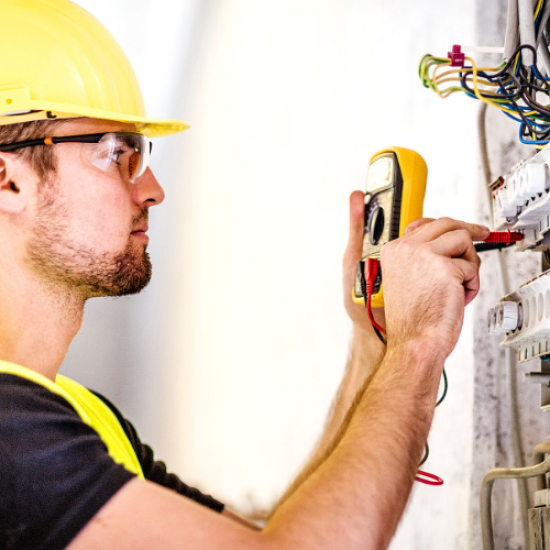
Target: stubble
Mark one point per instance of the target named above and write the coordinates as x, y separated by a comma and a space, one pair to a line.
72, 267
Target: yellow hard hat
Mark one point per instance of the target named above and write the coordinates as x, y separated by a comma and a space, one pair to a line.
58, 61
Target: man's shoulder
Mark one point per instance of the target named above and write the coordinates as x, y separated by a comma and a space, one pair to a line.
19, 396
48, 458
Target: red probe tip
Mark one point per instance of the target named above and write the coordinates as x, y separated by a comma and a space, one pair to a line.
504, 237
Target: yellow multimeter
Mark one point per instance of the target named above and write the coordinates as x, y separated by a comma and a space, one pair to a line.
396, 185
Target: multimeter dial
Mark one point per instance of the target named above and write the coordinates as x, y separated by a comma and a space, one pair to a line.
376, 222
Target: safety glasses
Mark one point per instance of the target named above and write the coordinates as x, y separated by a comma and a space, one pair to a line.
123, 155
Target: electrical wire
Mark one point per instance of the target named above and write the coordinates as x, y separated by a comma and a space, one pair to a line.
367, 283
513, 87
426, 455
439, 401
445, 389
375, 325
486, 492
544, 52
511, 39
527, 29
428, 479
540, 24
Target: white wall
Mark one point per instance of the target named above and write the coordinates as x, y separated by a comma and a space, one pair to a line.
288, 102
229, 361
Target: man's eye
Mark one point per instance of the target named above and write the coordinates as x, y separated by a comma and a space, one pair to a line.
115, 155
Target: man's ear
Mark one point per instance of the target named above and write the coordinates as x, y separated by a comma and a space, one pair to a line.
13, 176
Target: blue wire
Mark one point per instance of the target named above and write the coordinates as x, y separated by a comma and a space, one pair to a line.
537, 74
527, 142
513, 117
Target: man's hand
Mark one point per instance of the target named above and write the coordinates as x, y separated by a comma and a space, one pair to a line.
430, 275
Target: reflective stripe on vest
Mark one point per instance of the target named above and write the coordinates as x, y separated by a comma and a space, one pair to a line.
92, 411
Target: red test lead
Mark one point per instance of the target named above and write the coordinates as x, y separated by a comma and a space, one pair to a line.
372, 269
428, 479
498, 240
505, 237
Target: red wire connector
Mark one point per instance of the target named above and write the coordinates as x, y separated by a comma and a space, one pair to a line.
505, 237
456, 56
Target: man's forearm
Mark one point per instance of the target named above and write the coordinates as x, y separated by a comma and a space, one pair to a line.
356, 496
365, 357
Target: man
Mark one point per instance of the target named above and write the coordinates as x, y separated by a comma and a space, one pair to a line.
75, 192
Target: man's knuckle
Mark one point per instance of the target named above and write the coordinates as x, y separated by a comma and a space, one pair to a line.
446, 222
441, 263
406, 246
424, 251
464, 235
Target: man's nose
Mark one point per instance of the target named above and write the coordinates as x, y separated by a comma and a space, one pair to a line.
147, 191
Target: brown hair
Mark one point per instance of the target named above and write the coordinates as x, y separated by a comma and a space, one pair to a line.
41, 158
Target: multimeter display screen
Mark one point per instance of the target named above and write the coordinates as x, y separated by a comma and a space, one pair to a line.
380, 174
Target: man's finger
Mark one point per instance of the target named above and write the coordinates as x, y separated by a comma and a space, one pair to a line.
356, 221
471, 281
455, 244
458, 249
435, 229
416, 224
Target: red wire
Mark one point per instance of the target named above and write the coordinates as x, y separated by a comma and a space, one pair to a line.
431, 479
371, 317
372, 266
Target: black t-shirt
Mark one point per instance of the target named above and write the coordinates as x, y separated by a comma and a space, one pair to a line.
55, 471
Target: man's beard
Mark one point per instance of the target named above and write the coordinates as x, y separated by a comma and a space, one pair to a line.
72, 266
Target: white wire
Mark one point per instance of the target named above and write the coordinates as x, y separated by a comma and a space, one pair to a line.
512, 25
483, 49
527, 30
544, 54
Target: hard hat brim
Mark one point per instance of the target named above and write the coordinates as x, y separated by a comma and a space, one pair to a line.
44, 110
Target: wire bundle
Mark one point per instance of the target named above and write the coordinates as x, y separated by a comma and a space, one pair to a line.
518, 87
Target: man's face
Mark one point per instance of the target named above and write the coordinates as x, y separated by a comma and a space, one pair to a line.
88, 229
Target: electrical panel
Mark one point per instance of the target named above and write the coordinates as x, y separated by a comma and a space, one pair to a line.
524, 318
521, 201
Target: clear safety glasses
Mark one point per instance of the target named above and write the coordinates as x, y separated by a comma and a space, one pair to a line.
123, 155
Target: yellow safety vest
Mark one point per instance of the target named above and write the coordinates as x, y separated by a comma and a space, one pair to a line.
92, 411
